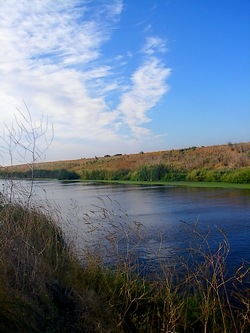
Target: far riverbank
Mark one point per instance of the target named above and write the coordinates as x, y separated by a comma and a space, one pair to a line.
177, 183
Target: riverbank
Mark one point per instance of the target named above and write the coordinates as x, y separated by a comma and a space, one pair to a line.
46, 287
150, 183
223, 164
179, 183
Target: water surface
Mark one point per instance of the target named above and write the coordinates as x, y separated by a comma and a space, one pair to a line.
163, 210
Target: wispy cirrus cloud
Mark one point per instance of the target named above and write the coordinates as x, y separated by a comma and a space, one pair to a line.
53, 60
148, 85
60, 33
154, 45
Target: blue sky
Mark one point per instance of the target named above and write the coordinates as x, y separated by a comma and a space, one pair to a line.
117, 76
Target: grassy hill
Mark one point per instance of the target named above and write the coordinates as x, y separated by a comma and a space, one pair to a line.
229, 156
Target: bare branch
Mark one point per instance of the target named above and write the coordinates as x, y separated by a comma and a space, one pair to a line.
26, 141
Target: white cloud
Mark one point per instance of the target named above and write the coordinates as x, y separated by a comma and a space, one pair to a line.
52, 59
148, 85
153, 45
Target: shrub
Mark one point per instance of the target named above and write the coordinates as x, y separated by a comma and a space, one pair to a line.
241, 176
67, 175
195, 175
150, 172
175, 175
143, 173
98, 174
158, 171
122, 174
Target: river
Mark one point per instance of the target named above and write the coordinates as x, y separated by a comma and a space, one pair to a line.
171, 215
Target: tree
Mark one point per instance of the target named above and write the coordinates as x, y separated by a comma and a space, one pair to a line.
24, 142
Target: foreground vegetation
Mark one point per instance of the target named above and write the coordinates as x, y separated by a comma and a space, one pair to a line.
50, 285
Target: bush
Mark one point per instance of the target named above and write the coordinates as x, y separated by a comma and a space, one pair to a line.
158, 172
143, 173
122, 174
175, 176
98, 174
67, 175
195, 176
241, 176
150, 172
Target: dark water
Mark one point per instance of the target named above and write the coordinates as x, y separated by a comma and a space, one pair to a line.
166, 211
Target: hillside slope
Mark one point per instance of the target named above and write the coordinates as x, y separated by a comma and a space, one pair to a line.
220, 157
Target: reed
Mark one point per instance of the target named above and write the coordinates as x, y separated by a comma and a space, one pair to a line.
49, 285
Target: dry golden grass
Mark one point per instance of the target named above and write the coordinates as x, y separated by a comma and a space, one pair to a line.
229, 156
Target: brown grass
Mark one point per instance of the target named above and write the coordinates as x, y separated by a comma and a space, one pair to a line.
230, 156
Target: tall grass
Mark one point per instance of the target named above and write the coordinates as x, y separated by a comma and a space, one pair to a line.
48, 285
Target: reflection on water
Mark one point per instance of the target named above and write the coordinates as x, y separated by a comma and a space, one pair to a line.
165, 211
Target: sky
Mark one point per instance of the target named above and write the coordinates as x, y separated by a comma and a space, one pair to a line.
123, 76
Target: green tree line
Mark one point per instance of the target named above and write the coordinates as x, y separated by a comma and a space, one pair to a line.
162, 172
156, 172
41, 173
